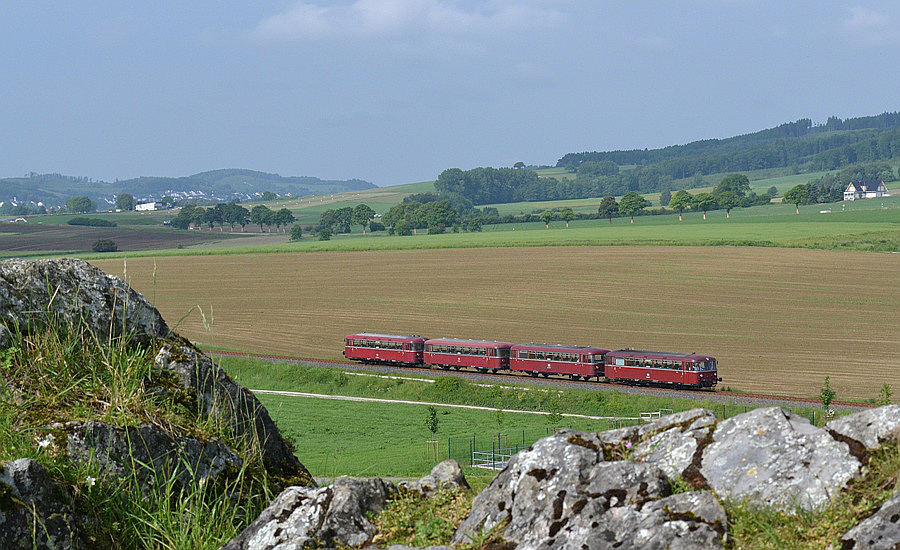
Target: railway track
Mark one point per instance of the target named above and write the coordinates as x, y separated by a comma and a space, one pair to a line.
724, 397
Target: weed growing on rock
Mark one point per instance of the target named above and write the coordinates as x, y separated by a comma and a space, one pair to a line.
760, 527
415, 520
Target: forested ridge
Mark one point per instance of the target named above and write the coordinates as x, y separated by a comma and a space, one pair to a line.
812, 147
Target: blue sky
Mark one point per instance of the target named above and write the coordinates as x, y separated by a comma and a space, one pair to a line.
394, 91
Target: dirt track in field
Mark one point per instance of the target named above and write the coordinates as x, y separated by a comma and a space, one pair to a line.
778, 320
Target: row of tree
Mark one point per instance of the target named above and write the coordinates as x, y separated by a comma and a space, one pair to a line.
593, 179
233, 214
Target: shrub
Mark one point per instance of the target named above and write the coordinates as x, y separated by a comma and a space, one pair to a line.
92, 222
105, 245
296, 232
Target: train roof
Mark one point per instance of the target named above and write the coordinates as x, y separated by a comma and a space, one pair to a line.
463, 341
560, 347
662, 354
411, 337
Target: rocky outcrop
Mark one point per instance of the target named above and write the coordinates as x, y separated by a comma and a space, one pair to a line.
774, 458
879, 532
445, 475
868, 430
35, 512
561, 493
34, 292
337, 514
148, 454
302, 517
213, 393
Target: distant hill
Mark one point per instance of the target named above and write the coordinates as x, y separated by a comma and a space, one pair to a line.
56, 189
802, 144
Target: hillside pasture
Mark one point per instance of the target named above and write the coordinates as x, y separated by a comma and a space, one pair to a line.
779, 320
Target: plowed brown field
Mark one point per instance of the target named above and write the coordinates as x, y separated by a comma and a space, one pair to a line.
778, 320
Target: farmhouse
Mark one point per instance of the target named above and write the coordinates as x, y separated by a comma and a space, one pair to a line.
149, 206
865, 190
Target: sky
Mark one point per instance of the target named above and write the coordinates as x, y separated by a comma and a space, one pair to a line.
395, 91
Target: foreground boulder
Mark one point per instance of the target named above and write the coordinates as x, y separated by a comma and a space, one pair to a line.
445, 475
147, 453
35, 512
561, 493
213, 393
869, 429
315, 517
33, 292
775, 458
879, 532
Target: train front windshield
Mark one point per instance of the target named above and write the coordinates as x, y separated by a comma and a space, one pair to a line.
705, 365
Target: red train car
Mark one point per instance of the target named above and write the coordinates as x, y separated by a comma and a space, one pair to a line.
384, 348
655, 367
546, 359
484, 355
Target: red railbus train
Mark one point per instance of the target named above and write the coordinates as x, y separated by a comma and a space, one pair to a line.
384, 348
625, 366
677, 369
482, 355
546, 359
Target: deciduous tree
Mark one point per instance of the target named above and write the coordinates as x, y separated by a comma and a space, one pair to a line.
681, 201
260, 215
124, 201
362, 215
547, 216
608, 208
728, 200
704, 202
79, 205
567, 214
632, 203
797, 195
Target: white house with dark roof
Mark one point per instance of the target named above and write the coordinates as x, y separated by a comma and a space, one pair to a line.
865, 190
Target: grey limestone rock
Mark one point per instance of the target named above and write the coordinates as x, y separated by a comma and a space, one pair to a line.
561, 493
693, 419
303, 517
682, 521
446, 474
870, 428
671, 442
35, 512
32, 292
215, 393
778, 459
147, 452
881, 531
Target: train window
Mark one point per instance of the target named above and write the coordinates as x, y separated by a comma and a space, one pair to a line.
503, 352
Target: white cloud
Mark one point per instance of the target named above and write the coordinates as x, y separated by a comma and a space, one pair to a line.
305, 20
866, 20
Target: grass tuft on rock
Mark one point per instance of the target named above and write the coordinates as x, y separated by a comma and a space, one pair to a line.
64, 373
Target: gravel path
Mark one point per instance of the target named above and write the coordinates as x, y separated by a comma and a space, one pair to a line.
698, 395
